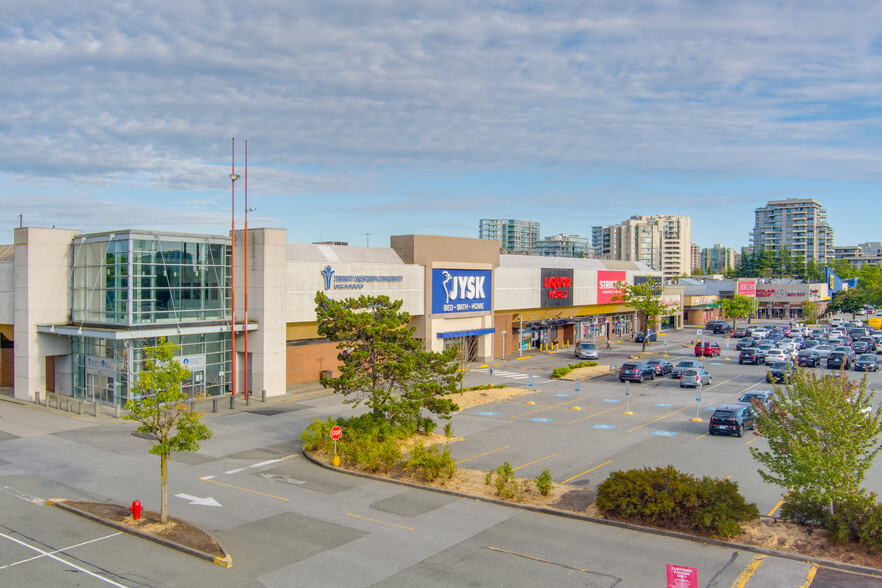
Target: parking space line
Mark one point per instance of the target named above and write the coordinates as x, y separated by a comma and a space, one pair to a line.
243, 489
586, 472
481, 455
349, 514
51, 555
62, 550
749, 571
544, 408
591, 415
752, 440
700, 436
810, 577
658, 419
532, 462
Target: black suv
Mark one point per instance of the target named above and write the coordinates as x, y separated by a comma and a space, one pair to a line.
808, 358
838, 361
751, 355
745, 342
636, 371
780, 372
731, 419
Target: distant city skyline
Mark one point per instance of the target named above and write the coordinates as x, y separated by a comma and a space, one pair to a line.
394, 118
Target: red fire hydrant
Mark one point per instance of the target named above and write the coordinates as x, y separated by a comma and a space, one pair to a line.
136, 510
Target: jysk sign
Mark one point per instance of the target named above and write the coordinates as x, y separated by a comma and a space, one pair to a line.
557, 287
606, 285
461, 290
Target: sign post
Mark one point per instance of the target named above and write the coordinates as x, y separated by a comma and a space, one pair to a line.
530, 387
336, 433
578, 382
490, 374
628, 397
697, 418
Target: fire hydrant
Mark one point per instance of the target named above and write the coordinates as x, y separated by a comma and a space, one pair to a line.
136, 510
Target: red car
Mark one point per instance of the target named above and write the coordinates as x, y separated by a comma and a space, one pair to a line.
706, 349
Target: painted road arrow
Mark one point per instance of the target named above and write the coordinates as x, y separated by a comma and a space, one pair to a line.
207, 501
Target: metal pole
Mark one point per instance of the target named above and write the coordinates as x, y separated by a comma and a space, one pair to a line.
246, 271
521, 335
233, 178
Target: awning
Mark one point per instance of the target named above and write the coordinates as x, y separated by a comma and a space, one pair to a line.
471, 333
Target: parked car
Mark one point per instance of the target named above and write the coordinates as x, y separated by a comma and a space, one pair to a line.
684, 365
711, 324
745, 342
586, 350
731, 419
779, 371
739, 332
762, 396
750, 355
871, 342
722, 328
848, 351
760, 332
661, 366
650, 336
695, 377
860, 347
838, 361
707, 349
866, 363
823, 350
636, 371
775, 356
808, 358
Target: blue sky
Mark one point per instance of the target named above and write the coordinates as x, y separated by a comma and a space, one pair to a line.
391, 117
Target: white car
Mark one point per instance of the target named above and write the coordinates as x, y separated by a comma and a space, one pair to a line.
823, 350
760, 333
776, 355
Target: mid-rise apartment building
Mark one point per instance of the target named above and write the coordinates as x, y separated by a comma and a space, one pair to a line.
563, 245
717, 259
514, 236
861, 254
797, 224
663, 242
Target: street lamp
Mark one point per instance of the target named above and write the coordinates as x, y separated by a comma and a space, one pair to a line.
233, 177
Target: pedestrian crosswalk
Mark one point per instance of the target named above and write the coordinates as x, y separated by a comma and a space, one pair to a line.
509, 374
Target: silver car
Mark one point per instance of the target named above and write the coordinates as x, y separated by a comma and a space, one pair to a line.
681, 366
586, 350
695, 377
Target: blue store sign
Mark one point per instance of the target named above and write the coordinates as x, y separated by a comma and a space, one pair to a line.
461, 291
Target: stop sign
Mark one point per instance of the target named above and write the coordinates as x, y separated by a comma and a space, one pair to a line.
336, 432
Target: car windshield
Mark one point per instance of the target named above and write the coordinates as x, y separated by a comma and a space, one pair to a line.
684, 364
748, 351
780, 365
690, 373
868, 358
629, 366
588, 346
654, 362
724, 414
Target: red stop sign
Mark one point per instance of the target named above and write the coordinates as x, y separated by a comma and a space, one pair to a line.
336, 432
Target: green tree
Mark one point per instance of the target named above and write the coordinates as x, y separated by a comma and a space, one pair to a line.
809, 311
164, 411
738, 307
822, 435
851, 300
383, 365
646, 300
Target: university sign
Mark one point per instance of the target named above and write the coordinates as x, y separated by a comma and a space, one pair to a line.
606, 285
556, 287
333, 281
461, 290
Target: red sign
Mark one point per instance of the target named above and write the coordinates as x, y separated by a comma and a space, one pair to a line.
747, 288
336, 432
682, 577
606, 285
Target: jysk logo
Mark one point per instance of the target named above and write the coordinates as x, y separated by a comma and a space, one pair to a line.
327, 274
461, 290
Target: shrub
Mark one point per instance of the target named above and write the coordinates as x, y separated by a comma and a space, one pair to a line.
506, 484
317, 435
664, 497
561, 372
543, 483
430, 464
484, 387
870, 529
448, 430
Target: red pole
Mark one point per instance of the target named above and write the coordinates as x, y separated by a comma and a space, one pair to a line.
246, 270
233, 179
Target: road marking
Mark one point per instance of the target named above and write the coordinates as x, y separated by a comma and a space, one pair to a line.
481, 454
272, 461
752, 440
59, 550
586, 472
545, 408
532, 462
777, 506
526, 357
705, 435
65, 562
658, 419
810, 577
195, 500
348, 514
236, 471
243, 489
742, 580
590, 416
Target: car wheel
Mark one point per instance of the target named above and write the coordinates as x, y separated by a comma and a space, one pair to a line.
740, 362
621, 380
739, 432
710, 381
641, 379
681, 385
652, 376
710, 432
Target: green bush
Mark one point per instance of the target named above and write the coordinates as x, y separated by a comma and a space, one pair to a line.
484, 387
317, 435
543, 483
870, 528
506, 484
430, 464
561, 372
664, 497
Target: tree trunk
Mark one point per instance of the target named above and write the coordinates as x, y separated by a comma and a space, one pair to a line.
163, 509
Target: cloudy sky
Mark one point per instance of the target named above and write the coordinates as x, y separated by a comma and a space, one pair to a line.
394, 117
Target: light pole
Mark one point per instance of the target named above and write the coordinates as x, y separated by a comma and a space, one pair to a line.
368, 236
520, 335
245, 367
504, 333
233, 177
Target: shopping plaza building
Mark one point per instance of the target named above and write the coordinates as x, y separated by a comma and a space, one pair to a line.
76, 310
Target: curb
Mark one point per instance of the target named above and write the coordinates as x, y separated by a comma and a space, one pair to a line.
226, 561
611, 523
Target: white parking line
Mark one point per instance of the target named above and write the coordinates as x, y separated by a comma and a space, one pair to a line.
51, 555
57, 550
272, 461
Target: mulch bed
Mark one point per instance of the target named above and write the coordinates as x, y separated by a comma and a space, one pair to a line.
176, 530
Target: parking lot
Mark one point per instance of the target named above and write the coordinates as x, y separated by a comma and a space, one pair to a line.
582, 436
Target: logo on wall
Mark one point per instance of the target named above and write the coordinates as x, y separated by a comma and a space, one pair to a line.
557, 287
461, 290
747, 289
327, 274
606, 285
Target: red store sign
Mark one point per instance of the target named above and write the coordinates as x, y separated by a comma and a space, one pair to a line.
606, 285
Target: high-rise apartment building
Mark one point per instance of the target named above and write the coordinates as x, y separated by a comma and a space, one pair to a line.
717, 259
797, 224
696, 257
563, 245
515, 236
861, 254
663, 242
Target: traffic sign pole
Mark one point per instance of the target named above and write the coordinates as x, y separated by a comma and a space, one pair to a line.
578, 382
697, 418
530, 387
628, 396
335, 433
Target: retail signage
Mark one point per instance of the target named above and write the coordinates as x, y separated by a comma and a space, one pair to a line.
656, 281
556, 287
781, 292
747, 289
682, 577
100, 365
194, 363
334, 281
461, 290
606, 285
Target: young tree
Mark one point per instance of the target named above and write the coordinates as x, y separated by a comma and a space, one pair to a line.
738, 307
646, 300
809, 311
823, 436
383, 365
851, 300
164, 412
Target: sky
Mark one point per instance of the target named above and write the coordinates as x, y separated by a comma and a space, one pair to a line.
371, 118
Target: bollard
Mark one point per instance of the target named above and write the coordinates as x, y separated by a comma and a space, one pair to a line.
68, 402
36, 398
232, 402
263, 395
116, 411
95, 409
214, 404
79, 407
247, 399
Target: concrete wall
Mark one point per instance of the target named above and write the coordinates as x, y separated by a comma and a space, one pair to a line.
7, 287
